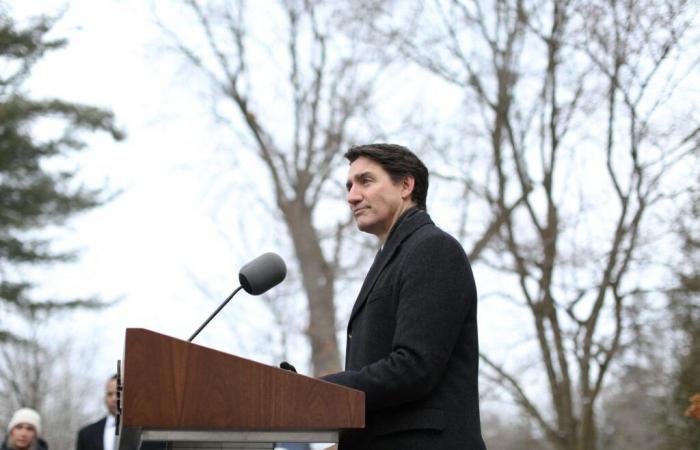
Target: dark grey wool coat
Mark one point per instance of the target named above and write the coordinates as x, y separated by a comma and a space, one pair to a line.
412, 344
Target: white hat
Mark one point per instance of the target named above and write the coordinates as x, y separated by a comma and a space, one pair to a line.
25, 415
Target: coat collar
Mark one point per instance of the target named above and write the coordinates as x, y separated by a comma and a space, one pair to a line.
405, 226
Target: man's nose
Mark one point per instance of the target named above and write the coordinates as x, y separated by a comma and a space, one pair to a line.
354, 196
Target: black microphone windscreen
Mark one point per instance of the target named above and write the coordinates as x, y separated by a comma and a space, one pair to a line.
262, 273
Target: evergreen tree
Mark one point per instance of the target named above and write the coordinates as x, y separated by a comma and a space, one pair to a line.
33, 196
683, 433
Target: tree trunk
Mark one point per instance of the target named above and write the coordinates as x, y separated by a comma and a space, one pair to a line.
317, 278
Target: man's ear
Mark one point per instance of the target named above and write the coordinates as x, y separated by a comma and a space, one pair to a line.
407, 186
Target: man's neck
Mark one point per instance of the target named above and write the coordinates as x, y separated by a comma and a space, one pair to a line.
400, 213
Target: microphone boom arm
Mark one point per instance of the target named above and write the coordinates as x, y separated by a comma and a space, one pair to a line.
214, 313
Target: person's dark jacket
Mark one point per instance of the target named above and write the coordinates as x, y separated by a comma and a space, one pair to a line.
412, 344
91, 437
40, 444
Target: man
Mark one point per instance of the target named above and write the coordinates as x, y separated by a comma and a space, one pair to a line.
412, 335
101, 434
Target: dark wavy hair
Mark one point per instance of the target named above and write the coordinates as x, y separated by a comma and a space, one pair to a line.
399, 162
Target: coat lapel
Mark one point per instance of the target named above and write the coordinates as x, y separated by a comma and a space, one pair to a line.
405, 227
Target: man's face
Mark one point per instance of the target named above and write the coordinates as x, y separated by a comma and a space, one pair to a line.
376, 202
111, 397
23, 434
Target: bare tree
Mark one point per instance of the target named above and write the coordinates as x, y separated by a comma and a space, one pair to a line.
634, 407
646, 406
53, 376
504, 430
679, 430
319, 90
579, 107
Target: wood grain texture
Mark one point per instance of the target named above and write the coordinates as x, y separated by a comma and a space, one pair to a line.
173, 384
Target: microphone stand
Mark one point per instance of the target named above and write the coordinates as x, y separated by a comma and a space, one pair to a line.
214, 313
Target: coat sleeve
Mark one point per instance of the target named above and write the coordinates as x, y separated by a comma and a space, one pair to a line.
436, 294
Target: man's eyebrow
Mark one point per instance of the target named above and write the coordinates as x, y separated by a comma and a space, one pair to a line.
365, 174
358, 176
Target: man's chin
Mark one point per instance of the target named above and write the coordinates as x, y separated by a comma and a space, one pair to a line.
361, 222
365, 226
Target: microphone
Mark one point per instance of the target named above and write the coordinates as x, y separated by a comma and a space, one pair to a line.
257, 277
262, 273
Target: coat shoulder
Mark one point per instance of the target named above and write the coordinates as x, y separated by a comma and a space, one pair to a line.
430, 238
97, 426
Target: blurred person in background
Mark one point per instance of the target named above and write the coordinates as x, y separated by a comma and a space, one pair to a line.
23, 431
101, 434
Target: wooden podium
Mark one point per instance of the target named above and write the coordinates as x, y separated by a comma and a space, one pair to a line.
192, 397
